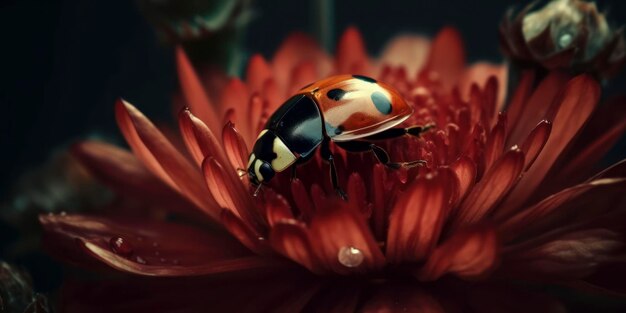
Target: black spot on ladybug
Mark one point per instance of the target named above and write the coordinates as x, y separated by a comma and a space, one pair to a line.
339, 130
381, 102
336, 94
364, 78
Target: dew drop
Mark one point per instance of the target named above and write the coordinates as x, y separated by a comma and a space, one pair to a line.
162, 260
565, 40
140, 260
155, 244
120, 246
350, 256
63, 213
175, 262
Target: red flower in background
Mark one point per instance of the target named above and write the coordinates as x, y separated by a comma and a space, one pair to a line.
507, 194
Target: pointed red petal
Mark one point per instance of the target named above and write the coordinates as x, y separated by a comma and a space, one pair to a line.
446, 57
534, 110
578, 101
351, 56
235, 147
162, 158
294, 50
465, 170
257, 73
301, 198
154, 248
199, 139
491, 189
616, 170
194, 91
336, 228
493, 77
467, 254
549, 213
535, 142
277, 208
572, 255
520, 97
244, 233
229, 193
407, 51
120, 170
416, 219
292, 241
495, 142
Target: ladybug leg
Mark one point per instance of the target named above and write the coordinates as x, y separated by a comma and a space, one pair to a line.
380, 153
399, 132
328, 156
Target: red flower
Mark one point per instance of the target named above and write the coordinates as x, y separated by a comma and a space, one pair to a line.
503, 196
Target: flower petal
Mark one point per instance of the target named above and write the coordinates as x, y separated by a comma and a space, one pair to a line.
495, 142
243, 232
483, 73
408, 51
549, 213
465, 170
535, 142
574, 108
467, 254
230, 194
446, 57
199, 139
155, 248
162, 158
520, 97
257, 73
335, 227
491, 189
416, 219
277, 208
121, 171
573, 255
194, 92
351, 56
292, 241
535, 109
298, 48
235, 147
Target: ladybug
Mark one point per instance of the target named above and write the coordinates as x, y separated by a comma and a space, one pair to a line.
349, 110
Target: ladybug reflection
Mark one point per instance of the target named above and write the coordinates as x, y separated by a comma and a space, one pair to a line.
350, 110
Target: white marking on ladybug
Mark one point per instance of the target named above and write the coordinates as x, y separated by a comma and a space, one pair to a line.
257, 167
250, 160
284, 156
261, 134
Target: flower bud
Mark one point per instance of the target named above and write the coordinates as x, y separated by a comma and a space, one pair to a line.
565, 34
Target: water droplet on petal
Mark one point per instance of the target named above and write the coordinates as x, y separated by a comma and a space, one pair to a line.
162, 260
350, 256
63, 213
565, 40
155, 244
175, 262
120, 246
140, 260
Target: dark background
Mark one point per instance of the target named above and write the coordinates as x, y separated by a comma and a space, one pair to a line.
64, 62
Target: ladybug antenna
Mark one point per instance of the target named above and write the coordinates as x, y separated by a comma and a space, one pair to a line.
256, 192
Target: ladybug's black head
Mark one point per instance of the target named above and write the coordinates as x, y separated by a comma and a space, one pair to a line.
260, 171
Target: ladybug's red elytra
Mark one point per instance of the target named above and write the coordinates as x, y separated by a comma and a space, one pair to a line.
353, 111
